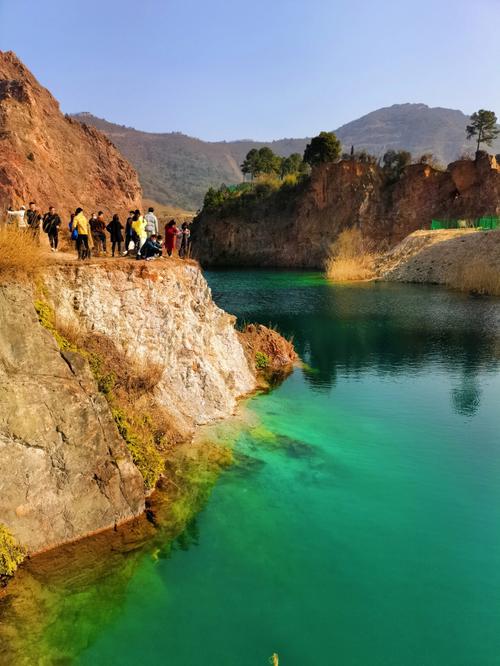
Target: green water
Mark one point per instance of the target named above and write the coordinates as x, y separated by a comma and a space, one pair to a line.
360, 523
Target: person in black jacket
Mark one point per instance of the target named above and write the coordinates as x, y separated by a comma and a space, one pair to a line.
128, 232
115, 232
33, 219
51, 224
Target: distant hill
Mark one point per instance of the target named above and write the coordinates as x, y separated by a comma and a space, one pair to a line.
417, 128
178, 169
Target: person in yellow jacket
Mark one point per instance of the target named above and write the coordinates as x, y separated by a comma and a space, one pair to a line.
139, 227
82, 226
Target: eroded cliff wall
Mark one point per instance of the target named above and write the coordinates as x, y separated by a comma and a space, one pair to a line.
65, 471
53, 159
166, 316
296, 230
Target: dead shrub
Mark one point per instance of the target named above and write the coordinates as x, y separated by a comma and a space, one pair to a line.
352, 257
131, 379
20, 254
139, 379
476, 277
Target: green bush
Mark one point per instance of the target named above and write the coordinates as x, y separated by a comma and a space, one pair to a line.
105, 380
141, 445
47, 318
262, 360
11, 554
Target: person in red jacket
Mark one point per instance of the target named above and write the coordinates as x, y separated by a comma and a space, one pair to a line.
171, 233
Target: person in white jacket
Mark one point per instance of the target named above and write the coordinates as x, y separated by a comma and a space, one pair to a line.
17, 217
151, 222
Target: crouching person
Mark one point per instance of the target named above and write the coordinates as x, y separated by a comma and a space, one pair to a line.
151, 248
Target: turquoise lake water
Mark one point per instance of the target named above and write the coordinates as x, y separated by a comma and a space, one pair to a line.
360, 523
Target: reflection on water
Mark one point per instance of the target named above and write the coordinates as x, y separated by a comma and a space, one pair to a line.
357, 525
386, 328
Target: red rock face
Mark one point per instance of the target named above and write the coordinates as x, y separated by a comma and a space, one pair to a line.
298, 231
51, 159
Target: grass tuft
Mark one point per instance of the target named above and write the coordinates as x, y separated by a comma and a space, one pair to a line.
20, 254
351, 258
476, 277
47, 318
138, 435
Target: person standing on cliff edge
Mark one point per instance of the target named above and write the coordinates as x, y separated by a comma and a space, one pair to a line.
139, 227
171, 233
185, 240
151, 222
81, 224
115, 232
51, 224
129, 242
33, 219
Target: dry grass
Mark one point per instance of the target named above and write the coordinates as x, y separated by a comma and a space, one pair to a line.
351, 258
131, 379
20, 255
476, 277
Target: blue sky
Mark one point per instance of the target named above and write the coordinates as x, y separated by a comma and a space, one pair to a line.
264, 69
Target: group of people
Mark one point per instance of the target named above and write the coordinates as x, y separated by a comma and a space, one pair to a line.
31, 220
139, 236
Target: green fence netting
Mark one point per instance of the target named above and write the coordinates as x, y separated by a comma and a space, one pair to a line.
488, 222
474, 223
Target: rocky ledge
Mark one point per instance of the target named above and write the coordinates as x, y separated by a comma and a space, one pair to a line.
103, 369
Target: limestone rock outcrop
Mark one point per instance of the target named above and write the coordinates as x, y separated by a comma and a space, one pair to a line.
163, 315
65, 471
444, 257
50, 158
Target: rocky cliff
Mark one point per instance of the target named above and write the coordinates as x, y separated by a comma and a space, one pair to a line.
52, 159
64, 470
296, 228
67, 444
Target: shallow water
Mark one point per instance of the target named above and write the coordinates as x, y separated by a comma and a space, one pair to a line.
359, 525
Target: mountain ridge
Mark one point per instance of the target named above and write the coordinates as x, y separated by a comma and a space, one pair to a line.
175, 168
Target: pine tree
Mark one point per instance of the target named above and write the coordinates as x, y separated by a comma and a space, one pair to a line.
484, 127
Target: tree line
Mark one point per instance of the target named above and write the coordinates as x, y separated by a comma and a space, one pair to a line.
326, 147
323, 148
